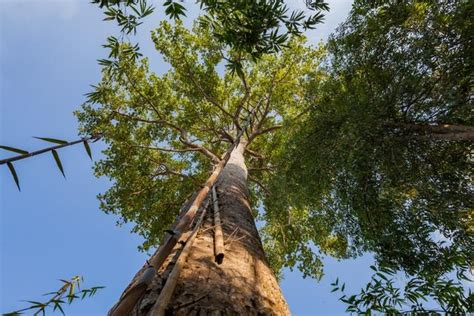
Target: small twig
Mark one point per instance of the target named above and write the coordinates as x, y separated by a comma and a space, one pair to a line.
218, 236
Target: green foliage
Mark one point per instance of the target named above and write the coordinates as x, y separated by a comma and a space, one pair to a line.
163, 133
88, 149
15, 150
60, 143
372, 159
382, 295
14, 175
66, 294
118, 10
252, 28
58, 161
174, 9
52, 140
384, 156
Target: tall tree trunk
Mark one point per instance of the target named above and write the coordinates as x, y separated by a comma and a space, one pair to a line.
243, 284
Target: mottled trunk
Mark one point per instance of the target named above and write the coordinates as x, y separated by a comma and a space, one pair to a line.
244, 283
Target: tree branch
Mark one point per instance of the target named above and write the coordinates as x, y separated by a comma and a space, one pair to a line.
266, 130
183, 138
174, 150
44, 150
260, 184
254, 153
242, 102
268, 168
438, 131
206, 96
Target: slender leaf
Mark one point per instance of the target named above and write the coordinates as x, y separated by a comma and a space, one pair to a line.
88, 149
52, 140
15, 150
58, 161
15, 176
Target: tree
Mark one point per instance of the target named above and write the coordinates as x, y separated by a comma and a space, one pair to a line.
385, 153
238, 29
166, 133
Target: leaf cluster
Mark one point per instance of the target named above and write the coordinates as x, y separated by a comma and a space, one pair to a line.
66, 294
382, 295
163, 133
127, 13
25, 154
371, 161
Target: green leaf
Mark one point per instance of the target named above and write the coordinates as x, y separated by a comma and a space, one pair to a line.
58, 161
15, 176
58, 306
174, 10
36, 303
52, 140
15, 150
84, 293
382, 276
88, 149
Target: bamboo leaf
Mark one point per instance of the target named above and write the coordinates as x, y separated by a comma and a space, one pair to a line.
58, 305
52, 140
58, 161
88, 149
15, 150
15, 176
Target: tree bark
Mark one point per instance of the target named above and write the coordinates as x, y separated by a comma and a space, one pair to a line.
243, 284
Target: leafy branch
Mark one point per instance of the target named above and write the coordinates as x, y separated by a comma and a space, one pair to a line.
66, 294
60, 144
382, 295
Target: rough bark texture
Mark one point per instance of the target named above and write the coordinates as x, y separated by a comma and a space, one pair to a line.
244, 283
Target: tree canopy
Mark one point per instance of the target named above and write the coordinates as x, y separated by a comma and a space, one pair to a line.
384, 155
361, 145
381, 162
164, 132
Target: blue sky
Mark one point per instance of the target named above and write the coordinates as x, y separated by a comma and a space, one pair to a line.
53, 228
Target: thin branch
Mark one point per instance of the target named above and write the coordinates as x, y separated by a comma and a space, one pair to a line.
174, 150
265, 113
260, 184
200, 88
241, 104
254, 153
44, 150
266, 130
183, 138
269, 168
